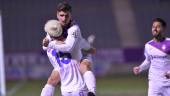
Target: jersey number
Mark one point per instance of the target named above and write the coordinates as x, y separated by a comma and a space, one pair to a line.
62, 58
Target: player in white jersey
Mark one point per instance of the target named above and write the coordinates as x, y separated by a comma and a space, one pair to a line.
157, 53
66, 63
69, 29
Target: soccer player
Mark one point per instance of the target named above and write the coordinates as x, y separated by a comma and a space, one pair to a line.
157, 53
70, 29
66, 63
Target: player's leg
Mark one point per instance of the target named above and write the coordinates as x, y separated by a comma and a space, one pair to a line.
66, 94
166, 91
89, 77
76, 93
53, 80
154, 89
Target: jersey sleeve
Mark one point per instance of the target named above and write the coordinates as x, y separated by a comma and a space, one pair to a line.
146, 63
69, 43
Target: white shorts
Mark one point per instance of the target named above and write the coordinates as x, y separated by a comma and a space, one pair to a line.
75, 93
158, 88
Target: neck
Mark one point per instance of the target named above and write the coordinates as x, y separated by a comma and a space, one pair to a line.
67, 25
159, 38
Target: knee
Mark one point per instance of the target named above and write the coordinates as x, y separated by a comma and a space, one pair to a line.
85, 65
52, 80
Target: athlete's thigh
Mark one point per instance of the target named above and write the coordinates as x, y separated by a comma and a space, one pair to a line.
54, 78
80, 93
85, 65
166, 91
66, 94
154, 89
75, 93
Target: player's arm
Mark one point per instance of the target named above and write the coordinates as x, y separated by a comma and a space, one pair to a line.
70, 41
144, 66
86, 47
46, 41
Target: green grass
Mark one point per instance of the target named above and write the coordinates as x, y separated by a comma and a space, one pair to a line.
106, 86
122, 85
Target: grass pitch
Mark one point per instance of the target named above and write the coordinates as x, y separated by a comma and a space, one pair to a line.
119, 85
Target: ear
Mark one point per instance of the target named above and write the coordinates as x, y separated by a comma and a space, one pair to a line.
57, 14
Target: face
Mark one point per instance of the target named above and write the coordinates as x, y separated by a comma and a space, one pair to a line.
157, 29
64, 17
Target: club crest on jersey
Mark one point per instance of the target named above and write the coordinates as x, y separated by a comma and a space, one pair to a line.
75, 34
163, 47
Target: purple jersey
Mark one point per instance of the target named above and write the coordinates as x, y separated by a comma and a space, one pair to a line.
158, 56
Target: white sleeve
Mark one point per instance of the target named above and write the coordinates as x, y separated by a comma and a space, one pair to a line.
84, 44
146, 63
44, 48
72, 38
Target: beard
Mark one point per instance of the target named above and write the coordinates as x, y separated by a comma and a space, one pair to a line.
159, 37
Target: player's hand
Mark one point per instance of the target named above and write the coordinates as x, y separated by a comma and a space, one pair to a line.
136, 70
90, 51
93, 50
45, 42
167, 74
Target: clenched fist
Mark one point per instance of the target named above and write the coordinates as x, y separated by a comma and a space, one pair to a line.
136, 70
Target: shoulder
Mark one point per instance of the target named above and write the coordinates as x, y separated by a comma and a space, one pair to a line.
147, 44
74, 28
167, 38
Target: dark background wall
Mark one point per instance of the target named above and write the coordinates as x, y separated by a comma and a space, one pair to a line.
121, 27
23, 21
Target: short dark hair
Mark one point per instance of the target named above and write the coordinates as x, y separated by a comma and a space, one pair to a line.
64, 6
161, 21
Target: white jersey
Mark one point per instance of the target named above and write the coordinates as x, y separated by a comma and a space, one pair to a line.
68, 68
158, 59
71, 43
66, 60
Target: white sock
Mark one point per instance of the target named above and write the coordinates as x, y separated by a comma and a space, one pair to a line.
90, 81
48, 90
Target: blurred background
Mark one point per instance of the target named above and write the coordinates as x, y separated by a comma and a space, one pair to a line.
121, 28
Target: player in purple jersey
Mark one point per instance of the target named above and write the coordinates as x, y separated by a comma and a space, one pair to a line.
65, 18
157, 53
